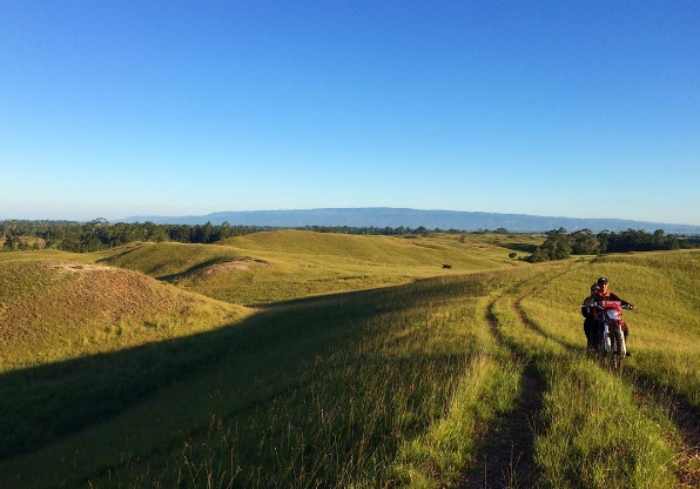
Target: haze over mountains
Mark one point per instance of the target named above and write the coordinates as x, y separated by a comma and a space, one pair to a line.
413, 218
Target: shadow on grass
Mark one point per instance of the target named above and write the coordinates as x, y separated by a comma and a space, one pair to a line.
506, 453
682, 412
174, 277
42, 404
523, 247
128, 250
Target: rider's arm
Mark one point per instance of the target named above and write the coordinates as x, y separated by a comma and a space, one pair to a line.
615, 297
586, 307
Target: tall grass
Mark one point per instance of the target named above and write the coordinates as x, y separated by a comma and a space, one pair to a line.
362, 391
399, 387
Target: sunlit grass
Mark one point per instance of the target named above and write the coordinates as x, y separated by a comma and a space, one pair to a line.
395, 387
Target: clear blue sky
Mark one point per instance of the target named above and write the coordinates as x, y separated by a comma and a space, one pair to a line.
586, 109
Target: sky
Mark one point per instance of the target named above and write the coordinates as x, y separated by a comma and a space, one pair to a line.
580, 109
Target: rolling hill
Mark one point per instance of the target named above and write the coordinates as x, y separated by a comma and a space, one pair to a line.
57, 306
287, 264
61, 315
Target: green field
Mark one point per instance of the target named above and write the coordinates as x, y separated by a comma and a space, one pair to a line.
278, 265
386, 370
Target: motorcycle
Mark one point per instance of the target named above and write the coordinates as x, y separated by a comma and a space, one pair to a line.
612, 348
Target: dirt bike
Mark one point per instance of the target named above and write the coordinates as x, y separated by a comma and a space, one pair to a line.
612, 348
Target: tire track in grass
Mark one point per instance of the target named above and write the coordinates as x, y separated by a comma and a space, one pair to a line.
506, 455
646, 391
685, 417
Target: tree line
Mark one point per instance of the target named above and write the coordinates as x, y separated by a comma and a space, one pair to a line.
559, 244
100, 234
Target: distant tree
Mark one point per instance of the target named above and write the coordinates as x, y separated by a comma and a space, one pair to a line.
557, 246
584, 242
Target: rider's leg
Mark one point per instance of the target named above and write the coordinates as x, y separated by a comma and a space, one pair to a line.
593, 334
626, 331
622, 344
590, 336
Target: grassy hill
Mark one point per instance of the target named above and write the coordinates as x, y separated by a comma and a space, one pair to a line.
462, 380
278, 265
57, 308
166, 260
59, 313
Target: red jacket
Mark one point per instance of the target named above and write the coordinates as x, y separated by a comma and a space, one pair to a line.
589, 312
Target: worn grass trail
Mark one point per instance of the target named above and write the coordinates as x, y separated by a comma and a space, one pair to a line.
685, 418
505, 457
649, 409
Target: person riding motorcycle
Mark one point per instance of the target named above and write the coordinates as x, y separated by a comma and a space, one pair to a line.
591, 325
603, 293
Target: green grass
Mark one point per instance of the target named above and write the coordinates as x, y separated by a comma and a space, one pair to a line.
664, 370
362, 376
472, 376
279, 265
591, 433
665, 327
57, 316
55, 307
166, 260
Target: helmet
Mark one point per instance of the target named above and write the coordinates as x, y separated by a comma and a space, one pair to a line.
595, 288
602, 281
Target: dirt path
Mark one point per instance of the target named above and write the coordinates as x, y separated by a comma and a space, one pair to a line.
685, 416
506, 455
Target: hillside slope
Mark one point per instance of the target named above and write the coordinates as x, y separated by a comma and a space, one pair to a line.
277, 265
165, 260
80, 341
57, 306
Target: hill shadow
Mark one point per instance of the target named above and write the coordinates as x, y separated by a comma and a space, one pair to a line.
45, 403
524, 247
128, 249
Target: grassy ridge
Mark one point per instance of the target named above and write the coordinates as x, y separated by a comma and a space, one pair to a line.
664, 342
58, 316
55, 309
278, 265
166, 260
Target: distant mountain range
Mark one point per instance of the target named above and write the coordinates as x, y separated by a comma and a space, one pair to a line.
413, 218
